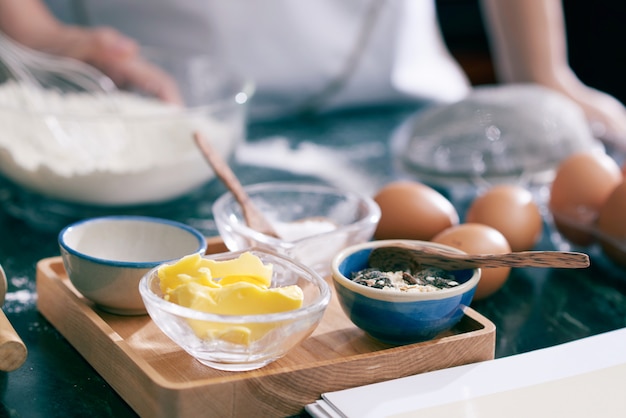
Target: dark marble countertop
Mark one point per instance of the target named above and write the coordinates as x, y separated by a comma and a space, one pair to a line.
535, 309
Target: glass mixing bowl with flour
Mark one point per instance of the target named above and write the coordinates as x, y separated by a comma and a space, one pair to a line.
512, 133
121, 149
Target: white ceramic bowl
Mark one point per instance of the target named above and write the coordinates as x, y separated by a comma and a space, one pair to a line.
123, 150
106, 257
280, 331
348, 218
398, 317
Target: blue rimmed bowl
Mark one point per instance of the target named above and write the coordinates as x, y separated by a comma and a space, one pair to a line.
396, 317
106, 257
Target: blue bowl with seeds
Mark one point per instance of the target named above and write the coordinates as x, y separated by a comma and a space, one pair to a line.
410, 304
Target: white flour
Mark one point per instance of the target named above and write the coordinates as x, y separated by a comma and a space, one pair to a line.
293, 231
49, 141
344, 168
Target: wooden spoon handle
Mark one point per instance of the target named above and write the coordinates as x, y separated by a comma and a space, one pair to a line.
548, 259
449, 260
254, 218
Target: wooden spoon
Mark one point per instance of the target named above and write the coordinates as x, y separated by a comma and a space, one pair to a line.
12, 349
410, 255
254, 217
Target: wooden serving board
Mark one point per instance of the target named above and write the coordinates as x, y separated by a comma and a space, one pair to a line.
158, 379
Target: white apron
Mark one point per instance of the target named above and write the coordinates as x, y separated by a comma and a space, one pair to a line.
294, 51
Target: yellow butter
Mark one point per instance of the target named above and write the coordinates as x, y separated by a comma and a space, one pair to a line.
246, 265
240, 286
186, 270
241, 298
235, 334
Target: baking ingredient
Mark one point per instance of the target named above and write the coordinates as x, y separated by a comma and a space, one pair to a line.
93, 148
293, 231
240, 286
309, 240
215, 274
494, 132
412, 210
104, 133
396, 269
474, 238
511, 210
611, 225
426, 279
582, 184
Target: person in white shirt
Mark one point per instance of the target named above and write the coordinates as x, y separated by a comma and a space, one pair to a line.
319, 55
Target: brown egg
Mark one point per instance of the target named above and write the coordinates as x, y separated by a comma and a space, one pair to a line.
511, 210
581, 185
476, 238
612, 224
412, 210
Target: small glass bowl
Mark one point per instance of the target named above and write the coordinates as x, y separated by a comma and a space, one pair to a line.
277, 333
315, 221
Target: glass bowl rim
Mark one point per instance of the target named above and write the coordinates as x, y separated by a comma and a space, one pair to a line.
239, 96
372, 216
317, 305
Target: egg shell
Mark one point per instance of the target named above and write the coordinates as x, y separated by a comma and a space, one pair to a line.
474, 238
612, 223
581, 185
412, 210
510, 209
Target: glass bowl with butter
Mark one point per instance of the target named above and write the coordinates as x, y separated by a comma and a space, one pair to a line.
235, 311
313, 221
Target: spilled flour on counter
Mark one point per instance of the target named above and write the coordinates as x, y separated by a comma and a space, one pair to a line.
334, 166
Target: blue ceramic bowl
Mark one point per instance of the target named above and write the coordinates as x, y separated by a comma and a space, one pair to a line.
396, 317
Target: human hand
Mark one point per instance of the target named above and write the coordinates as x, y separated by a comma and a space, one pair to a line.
529, 45
119, 57
606, 114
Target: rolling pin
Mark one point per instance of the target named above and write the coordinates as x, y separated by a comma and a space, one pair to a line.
12, 349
